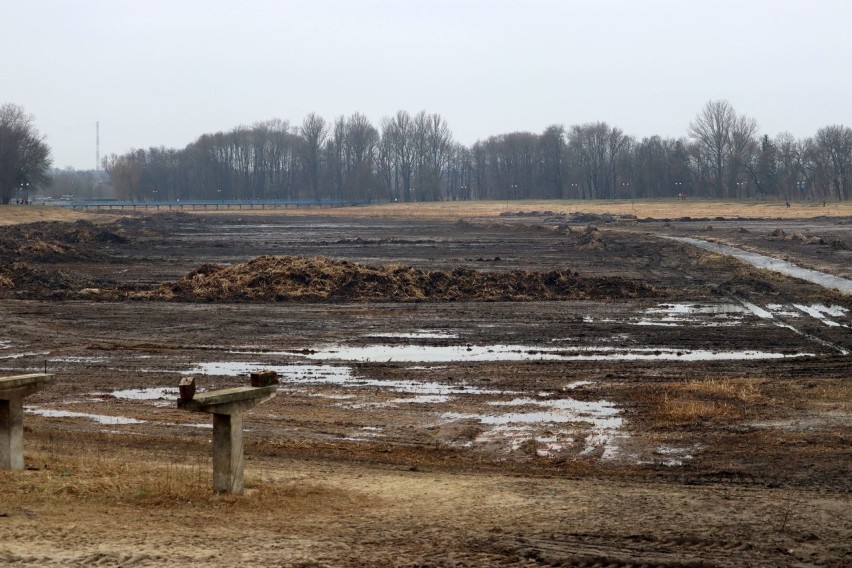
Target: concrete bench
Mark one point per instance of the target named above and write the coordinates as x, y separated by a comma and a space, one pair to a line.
13, 390
227, 407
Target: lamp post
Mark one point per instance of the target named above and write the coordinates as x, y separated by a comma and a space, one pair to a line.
678, 187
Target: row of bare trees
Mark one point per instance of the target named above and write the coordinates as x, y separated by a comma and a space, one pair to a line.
414, 158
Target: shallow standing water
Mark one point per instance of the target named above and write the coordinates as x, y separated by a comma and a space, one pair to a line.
776, 265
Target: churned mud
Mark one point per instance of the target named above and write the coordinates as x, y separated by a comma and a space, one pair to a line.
530, 390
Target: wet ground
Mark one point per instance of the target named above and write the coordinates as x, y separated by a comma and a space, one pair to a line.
729, 376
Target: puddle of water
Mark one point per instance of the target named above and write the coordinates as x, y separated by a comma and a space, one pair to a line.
365, 434
488, 353
671, 456
776, 265
339, 376
603, 417
294, 373
707, 315
784, 311
424, 334
692, 309
820, 312
576, 384
816, 314
333, 396
156, 393
99, 418
422, 399
516, 436
4, 344
27, 354
757, 310
78, 360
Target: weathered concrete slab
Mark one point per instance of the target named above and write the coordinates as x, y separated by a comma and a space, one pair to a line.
23, 385
227, 407
13, 390
228, 401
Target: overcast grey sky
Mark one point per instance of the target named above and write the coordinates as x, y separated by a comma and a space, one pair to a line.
163, 72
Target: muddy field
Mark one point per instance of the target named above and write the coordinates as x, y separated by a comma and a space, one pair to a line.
526, 389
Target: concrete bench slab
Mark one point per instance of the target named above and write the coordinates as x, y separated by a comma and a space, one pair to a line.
13, 390
227, 407
228, 401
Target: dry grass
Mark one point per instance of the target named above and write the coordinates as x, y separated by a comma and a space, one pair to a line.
64, 473
16, 214
651, 208
700, 401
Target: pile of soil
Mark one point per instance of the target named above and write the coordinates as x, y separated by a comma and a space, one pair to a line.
52, 242
24, 281
319, 279
807, 239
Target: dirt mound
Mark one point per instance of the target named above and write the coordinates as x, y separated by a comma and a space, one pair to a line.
300, 279
23, 281
591, 239
50, 242
807, 239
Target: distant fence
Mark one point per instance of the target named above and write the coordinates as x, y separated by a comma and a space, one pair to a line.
210, 204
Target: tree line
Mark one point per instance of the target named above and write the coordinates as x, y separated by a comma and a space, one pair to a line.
414, 158
409, 158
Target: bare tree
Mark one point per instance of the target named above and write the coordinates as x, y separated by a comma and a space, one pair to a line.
24, 155
552, 143
712, 129
313, 131
399, 135
834, 144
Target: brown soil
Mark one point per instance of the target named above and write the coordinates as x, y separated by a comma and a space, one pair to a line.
585, 430
320, 279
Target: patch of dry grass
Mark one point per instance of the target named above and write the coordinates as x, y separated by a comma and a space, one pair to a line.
64, 473
701, 401
16, 214
650, 208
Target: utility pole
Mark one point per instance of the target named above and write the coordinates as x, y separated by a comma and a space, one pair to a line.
97, 145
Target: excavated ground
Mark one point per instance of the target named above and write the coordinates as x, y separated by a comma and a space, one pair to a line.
531, 390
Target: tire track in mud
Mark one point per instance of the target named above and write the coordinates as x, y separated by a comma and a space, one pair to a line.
785, 324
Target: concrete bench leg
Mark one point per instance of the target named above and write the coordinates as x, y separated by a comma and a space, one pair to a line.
12, 434
228, 462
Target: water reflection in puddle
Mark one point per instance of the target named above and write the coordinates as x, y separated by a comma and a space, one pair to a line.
821, 312
424, 334
602, 435
672, 315
489, 353
156, 393
339, 376
78, 360
26, 354
99, 418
